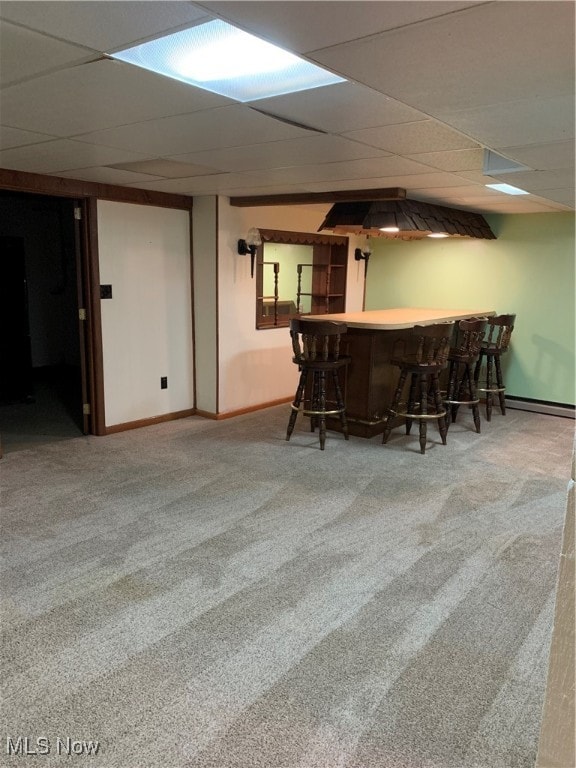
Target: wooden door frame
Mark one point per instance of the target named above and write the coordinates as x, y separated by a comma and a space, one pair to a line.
93, 330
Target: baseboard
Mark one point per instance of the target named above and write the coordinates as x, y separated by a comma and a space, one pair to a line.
149, 422
241, 411
541, 406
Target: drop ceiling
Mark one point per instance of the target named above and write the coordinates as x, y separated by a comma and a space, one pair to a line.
430, 86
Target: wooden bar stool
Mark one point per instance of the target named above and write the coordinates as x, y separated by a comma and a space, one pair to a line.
461, 357
425, 357
496, 341
316, 347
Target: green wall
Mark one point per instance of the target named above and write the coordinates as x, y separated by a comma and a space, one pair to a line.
289, 256
528, 269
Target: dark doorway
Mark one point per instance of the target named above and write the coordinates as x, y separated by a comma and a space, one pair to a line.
40, 346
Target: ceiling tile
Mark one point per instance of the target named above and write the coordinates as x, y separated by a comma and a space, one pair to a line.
382, 167
506, 205
321, 108
526, 121
471, 58
104, 26
213, 184
106, 175
539, 180
250, 189
293, 152
307, 26
105, 93
454, 160
411, 181
165, 168
222, 127
543, 156
468, 191
63, 155
15, 137
42, 53
423, 136
564, 197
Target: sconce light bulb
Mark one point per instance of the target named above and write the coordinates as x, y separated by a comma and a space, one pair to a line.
253, 237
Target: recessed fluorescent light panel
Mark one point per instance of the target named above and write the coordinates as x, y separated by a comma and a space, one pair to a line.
508, 189
222, 59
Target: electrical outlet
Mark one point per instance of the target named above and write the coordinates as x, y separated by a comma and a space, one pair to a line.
164, 382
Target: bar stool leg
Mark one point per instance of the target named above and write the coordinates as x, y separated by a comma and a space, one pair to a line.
321, 406
412, 400
314, 400
423, 411
473, 396
296, 404
450, 395
442, 420
500, 384
477, 368
489, 385
340, 404
393, 408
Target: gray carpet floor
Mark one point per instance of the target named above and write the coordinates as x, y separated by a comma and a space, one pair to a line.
202, 594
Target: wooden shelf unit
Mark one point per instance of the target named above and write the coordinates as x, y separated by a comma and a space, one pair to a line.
328, 292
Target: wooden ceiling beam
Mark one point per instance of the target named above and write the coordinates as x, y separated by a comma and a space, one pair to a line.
309, 198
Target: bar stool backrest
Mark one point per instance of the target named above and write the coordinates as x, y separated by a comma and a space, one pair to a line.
428, 345
469, 337
498, 332
316, 341
433, 343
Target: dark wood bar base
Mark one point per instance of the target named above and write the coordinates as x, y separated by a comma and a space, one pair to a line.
370, 379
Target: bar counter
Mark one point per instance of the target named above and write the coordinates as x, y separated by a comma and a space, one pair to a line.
370, 378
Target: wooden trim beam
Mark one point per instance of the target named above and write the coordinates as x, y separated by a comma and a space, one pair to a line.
308, 198
37, 183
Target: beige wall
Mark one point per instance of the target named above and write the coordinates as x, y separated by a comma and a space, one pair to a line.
256, 365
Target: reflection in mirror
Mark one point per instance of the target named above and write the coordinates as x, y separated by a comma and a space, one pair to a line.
288, 257
299, 273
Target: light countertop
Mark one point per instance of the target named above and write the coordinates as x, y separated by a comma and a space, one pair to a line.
405, 317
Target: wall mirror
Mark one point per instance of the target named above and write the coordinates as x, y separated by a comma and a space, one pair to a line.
299, 273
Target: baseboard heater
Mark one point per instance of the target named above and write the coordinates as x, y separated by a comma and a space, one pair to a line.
540, 406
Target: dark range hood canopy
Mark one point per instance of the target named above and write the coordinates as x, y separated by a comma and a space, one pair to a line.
412, 218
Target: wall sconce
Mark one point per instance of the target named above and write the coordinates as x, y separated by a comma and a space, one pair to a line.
363, 254
250, 245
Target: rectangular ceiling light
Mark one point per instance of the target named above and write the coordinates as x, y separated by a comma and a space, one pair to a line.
508, 189
220, 58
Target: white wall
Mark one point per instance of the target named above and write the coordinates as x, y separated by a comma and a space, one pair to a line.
256, 365
144, 254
